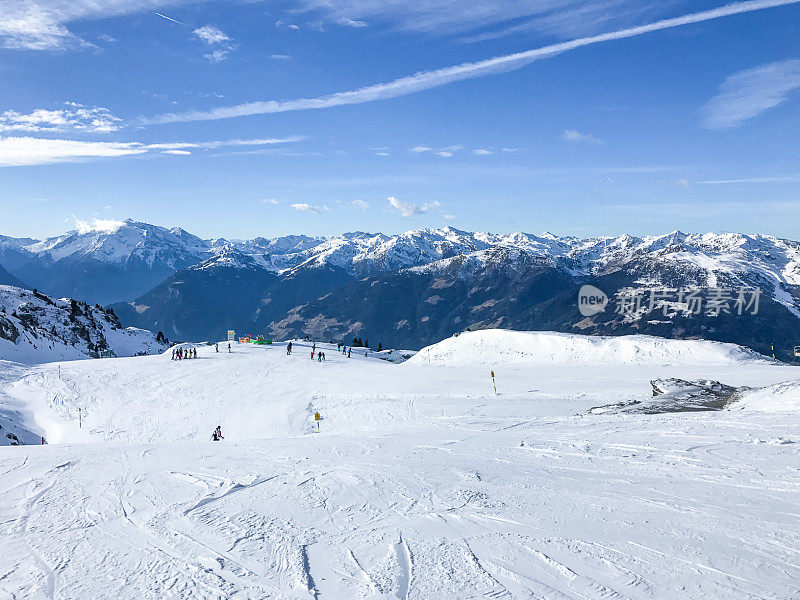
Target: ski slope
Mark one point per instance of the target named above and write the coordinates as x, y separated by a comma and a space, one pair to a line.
421, 483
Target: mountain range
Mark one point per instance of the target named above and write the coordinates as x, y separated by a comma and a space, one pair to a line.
415, 288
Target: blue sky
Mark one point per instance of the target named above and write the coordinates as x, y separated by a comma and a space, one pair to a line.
245, 118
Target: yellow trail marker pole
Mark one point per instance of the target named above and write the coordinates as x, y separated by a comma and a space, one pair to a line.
317, 418
494, 385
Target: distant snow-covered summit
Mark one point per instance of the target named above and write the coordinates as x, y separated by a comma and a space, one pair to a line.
414, 288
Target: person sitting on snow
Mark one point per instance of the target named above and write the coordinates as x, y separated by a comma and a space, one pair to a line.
217, 435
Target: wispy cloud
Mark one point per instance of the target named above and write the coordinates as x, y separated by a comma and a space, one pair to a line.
445, 154
308, 208
356, 23
575, 136
216, 56
409, 209
74, 117
362, 204
778, 179
446, 17
280, 57
749, 93
425, 80
285, 25
421, 149
26, 151
482, 152
272, 201
29, 151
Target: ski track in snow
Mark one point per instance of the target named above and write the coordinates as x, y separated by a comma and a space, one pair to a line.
422, 483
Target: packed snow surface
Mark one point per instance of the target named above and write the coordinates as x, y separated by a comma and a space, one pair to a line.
501, 346
422, 482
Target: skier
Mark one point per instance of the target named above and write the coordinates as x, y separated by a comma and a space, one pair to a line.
173, 354
289, 348
229, 346
217, 435
216, 346
312, 355
348, 352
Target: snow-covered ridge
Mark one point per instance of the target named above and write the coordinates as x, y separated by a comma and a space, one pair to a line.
496, 347
367, 253
35, 328
781, 397
696, 259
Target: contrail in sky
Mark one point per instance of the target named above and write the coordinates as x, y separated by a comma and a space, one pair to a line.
425, 80
169, 19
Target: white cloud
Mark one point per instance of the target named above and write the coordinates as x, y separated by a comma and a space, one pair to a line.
284, 25
103, 225
303, 207
216, 38
74, 117
409, 209
449, 217
211, 35
420, 149
272, 201
216, 56
573, 135
280, 57
510, 149
177, 152
749, 93
454, 148
362, 204
482, 152
352, 22
444, 154
28, 151
425, 80
25, 151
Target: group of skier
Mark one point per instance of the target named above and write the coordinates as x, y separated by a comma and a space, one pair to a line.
181, 353
320, 356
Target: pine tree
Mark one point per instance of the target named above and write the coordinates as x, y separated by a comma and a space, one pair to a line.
366, 343
380, 347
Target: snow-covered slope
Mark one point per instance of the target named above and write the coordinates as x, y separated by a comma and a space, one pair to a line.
422, 483
35, 328
781, 397
501, 347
